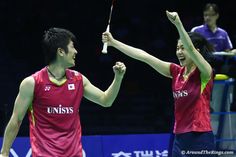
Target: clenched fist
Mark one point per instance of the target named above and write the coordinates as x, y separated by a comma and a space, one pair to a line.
119, 69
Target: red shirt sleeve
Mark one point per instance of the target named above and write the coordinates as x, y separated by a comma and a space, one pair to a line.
174, 70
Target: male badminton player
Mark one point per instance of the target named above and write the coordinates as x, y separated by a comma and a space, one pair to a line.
52, 97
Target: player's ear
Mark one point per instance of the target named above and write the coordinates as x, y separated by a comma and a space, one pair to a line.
60, 51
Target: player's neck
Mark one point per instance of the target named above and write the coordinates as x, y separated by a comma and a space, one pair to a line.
56, 71
213, 27
189, 69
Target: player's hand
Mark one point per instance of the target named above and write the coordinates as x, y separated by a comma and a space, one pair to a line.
107, 38
119, 69
1, 155
233, 51
173, 17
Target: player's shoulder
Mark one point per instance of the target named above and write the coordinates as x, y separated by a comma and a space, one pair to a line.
28, 82
174, 65
39, 73
197, 28
73, 73
222, 30
175, 69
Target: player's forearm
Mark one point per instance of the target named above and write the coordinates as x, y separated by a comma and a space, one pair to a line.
112, 92
184, 37
130, 51
9, 136
197, 58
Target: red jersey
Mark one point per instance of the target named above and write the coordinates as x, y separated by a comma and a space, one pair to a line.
192, 101
55, 129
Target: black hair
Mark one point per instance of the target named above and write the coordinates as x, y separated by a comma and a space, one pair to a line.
53, 39
205, 48
213, 6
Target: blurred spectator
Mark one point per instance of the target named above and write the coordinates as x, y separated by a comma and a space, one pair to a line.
217, 36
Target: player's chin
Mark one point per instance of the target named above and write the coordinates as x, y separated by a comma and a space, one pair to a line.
182, 63
72, 64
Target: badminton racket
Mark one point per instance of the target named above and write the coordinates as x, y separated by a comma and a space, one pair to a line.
104, 49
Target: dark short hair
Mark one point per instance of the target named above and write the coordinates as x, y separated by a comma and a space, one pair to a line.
213, 6
53, 39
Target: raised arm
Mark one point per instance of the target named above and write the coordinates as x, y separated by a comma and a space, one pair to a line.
22, 103
197, 58
105, 98
159, 65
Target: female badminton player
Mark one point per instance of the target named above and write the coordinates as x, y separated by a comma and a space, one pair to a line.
192, 83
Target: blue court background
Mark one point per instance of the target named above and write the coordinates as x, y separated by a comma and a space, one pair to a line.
136, 145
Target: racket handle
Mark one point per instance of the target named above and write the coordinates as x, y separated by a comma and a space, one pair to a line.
104, 49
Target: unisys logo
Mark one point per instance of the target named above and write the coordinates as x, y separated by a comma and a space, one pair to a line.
180, 93
60, 110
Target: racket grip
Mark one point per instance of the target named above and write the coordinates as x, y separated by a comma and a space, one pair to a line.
104, 49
